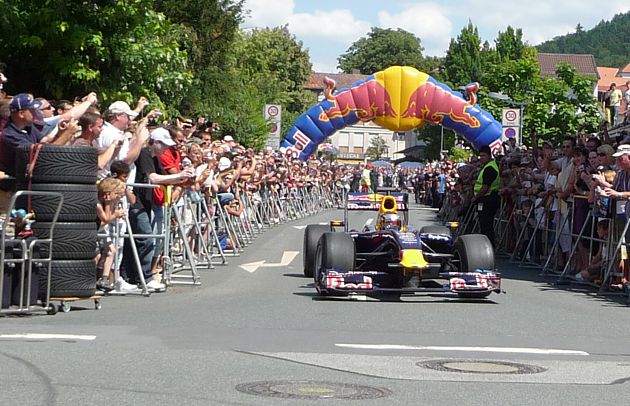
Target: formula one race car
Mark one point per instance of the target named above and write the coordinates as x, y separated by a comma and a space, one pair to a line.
390, 258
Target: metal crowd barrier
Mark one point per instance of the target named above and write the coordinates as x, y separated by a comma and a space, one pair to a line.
532, 235
193, 227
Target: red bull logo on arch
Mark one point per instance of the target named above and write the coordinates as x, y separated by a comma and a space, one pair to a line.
400, 98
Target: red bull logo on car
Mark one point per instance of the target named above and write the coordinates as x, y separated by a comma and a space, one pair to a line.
400, 98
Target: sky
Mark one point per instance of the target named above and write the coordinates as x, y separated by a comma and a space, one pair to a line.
328, 28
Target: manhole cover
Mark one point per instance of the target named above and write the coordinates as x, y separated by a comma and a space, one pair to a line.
312, 390
481, 367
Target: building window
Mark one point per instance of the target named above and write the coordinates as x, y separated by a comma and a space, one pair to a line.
343, 139
343, 150
358, 150
358, 140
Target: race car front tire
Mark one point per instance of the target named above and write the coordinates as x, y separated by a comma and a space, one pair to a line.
473, 251
312, 233
334, 250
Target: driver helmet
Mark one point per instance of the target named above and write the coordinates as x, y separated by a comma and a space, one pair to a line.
391, 221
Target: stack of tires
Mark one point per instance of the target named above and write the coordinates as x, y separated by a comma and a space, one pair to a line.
72, 172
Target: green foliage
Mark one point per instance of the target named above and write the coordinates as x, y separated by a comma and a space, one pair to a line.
117, 48
460, 154
509, 44
378, 147
466, 58
607, 41
381, 49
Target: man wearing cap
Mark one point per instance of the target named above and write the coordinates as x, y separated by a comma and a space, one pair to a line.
20, 130
619, 190
149, 170
487, 192
117, 119
229, 140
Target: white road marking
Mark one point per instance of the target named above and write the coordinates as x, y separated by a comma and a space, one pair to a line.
39, 336
287, 258
300, 227
514, 350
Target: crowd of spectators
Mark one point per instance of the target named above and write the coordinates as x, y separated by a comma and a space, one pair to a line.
579, 186
136, 146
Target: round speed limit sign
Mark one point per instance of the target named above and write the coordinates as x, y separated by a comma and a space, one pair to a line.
272, 111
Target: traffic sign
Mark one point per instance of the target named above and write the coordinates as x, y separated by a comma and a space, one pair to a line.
273, 114
511, 117
510, 132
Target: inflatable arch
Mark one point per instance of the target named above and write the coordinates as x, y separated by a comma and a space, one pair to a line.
399, 98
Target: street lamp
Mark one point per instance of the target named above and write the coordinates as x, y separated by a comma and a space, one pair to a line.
521, 106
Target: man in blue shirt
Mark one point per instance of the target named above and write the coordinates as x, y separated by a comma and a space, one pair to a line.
441, 187
18, 131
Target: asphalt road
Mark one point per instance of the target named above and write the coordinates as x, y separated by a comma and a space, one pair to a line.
262, 327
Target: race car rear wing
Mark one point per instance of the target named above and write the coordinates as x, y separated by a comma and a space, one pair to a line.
372, 201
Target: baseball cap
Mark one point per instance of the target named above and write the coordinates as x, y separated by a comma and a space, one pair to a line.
162, 135
24, 101
122, 107
224, 163
606, 149
622, 150
228, 138
547, 143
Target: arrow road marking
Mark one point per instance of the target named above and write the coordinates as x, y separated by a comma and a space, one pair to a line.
469, 349
287, 258
303, 227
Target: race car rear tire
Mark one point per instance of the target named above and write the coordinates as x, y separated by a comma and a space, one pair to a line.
440, 230
312, 233
473, 251
334, 250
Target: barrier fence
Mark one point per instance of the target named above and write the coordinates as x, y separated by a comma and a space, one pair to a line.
197, 232
561, 242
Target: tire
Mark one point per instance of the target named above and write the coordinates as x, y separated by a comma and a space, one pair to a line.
441, 230
334, 250
312, 233
69, 279
474, 251
59, 164
79, 202
70, 240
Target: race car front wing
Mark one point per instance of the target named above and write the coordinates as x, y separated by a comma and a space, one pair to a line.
480, 281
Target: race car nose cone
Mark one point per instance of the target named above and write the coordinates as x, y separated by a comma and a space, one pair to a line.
413, 259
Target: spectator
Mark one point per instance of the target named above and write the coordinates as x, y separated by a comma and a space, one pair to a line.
139, 213
110, 192
613, 97
487, 192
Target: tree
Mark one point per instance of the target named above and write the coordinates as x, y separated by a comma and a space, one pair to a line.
465, 60
381, 49
119, 48
378, 147
509, 44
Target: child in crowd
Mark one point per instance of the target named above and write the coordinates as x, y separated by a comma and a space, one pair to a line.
120, 170
594, 271
110, 191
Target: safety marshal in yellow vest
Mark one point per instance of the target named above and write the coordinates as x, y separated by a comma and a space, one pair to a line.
487, 192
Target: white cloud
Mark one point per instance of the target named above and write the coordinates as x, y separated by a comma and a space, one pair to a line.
334, 25
268, 13
428, 21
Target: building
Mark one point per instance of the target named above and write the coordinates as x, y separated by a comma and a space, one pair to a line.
354, 141
584, 65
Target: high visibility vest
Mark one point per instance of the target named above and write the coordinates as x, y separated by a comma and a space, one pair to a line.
494, 187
